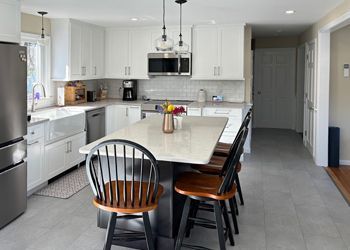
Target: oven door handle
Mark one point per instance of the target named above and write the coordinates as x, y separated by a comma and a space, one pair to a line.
179, 64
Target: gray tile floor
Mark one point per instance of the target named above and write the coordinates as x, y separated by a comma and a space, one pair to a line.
290, 204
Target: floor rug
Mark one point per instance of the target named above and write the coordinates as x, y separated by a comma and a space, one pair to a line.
67, 185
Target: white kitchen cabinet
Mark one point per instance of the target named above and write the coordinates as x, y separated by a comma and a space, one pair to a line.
98, 52
218, 52
126, 53
10, 21
121, 116
77, 50
194, 111
64, 154
35, 157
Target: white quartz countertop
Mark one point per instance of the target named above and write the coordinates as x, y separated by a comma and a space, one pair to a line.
194, 143
104, 103
235, 105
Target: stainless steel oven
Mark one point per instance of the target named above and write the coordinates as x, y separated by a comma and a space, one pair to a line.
169, 64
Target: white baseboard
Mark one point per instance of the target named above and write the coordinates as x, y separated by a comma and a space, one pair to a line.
344, 162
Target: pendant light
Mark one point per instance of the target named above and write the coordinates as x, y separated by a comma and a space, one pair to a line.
164, 43
42, 40
180, 46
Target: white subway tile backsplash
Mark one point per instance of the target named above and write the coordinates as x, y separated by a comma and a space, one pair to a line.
182, 88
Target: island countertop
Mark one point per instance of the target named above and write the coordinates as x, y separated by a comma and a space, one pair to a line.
194, 143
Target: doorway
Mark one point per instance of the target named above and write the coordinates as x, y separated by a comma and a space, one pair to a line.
275, 88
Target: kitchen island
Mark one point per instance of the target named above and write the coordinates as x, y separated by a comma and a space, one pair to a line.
193, 144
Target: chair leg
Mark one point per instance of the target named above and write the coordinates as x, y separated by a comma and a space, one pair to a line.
219, 226
233, 214
183, 223
193, 214
227, 222
148, 231
236, 205
110, 231
239, 189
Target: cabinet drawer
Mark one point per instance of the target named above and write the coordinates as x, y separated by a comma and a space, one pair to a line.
223, 112
35, 132
194, 112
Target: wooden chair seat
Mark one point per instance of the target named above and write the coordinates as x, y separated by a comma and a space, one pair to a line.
129, 207
214, 167
222, 149
202, 185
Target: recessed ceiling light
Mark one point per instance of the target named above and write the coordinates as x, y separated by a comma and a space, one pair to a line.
213, 22
290, 12
134, 19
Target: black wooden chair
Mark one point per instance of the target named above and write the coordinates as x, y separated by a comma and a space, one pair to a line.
221, 152
124, 178
215, 189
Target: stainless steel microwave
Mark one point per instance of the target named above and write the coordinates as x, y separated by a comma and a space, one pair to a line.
169, 64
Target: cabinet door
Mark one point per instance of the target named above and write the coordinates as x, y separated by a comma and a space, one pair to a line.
55, 155
134, 114
73, 156
140, 45
10, 21
194, 112
86, 43
117, 53
121, 117
76, 50
98, 52
231, 52
205, 53
35, 160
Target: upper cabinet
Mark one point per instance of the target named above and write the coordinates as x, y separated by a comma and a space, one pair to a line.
127, 49
218, 52
126, 53
77, 50
10, 21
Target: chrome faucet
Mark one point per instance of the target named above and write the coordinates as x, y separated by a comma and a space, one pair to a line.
33, 97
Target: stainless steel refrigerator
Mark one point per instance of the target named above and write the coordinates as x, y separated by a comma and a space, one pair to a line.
13, 128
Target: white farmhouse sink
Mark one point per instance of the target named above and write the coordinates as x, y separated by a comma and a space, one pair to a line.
63, 122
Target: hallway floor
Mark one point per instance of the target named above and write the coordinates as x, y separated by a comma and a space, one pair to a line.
289, 204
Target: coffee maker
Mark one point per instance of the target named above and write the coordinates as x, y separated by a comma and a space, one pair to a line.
129, 90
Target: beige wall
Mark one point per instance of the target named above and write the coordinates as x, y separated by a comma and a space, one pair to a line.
311, 33
276, 42
248, 63
340, 89
32, 24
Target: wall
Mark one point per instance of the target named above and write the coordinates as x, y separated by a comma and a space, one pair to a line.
340, 89
312, 32
181, 88
248, 64
32, 24
276, 42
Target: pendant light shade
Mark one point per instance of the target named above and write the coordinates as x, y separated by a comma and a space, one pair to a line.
42, 41
181, 46
164, 43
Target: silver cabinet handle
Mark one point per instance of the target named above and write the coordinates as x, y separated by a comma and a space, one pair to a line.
70, 146
125, 69
95, 70
30, 144
219, 70
127, 111
214, 71
129, 70
67, 148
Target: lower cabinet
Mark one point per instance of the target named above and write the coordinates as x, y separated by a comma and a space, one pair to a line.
64, 154
121, 116
35, 156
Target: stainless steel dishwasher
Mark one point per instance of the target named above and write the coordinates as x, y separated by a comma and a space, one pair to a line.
95, 124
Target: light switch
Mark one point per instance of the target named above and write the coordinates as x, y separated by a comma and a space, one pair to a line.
346, 70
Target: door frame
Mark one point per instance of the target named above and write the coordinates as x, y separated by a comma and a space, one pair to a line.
323, 83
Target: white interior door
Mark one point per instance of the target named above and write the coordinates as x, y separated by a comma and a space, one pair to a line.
274, 88
309, 97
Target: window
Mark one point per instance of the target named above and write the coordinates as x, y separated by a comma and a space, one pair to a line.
38, 64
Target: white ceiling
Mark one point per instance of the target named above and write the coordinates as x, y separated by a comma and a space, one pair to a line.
267, 16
